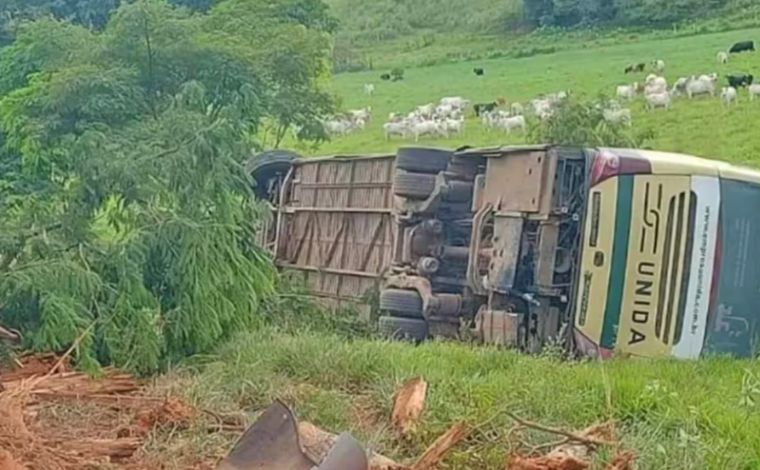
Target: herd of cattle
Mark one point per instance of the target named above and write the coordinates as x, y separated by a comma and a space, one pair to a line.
657, 93
447, 117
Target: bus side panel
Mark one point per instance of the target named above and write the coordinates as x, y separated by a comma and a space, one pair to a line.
595, 263
734, 323
652, 274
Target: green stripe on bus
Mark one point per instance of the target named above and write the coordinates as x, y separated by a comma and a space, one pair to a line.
619, 261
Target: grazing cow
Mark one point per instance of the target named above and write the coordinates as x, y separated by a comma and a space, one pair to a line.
728, 95
679, 88
617, 116
738, 81
636, 67
722, 57
516, 108
742, 46
656, 86
479, 71
510, 123
455, 101
400, 129
627, 92
658, 65
481, 108
365, 114
658, 100
369, 89
385, 77
754, 90
704, 85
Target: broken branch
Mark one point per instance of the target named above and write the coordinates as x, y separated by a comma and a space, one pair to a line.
561, 432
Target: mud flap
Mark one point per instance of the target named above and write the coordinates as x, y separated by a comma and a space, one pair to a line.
271, 443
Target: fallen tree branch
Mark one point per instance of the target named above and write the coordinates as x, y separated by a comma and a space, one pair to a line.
571, 436
438, 449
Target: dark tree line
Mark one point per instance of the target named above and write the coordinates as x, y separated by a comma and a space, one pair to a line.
567, 13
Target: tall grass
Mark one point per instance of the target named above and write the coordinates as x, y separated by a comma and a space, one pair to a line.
676, 415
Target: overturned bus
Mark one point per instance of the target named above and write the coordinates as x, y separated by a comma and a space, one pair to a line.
641, 252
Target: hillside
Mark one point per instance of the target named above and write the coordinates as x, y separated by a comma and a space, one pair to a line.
701, 126
371, 21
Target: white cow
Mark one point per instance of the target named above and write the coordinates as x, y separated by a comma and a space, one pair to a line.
452, 126
728, 95
431, 128
704, 85
425, 110
722, 57
516, 108
337, 127
364, 114
445, 110
618, 116
455, 101
754, 90
679, 87
508, 124
400, 128
369, 89
658, 65
656, 86
658, 100
626, 92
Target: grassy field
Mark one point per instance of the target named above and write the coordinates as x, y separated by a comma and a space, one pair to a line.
676, 415
702, 127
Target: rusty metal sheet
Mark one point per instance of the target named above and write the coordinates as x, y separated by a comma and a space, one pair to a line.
523, 176
498, 327
506, 252
271, 443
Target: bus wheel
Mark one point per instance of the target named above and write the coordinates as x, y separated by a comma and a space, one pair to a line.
403, 328
401, 303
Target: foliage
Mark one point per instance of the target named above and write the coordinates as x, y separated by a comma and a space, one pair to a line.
364, 22
582, 124
127, 219
623, 12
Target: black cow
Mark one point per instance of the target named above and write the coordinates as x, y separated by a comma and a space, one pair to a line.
481, 108
738, 81
479, 71
385, 76
742, 46
640, 67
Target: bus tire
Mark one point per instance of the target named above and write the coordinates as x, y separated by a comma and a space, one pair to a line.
403, 328
422, 160
413, 186
401, 302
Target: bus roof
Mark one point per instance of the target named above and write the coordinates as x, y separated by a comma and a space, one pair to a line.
678, 163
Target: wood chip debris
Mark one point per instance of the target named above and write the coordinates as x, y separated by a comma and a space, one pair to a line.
408, 405
32, 436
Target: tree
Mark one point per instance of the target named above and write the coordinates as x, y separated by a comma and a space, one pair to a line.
582, 123
128, 219
290, 47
